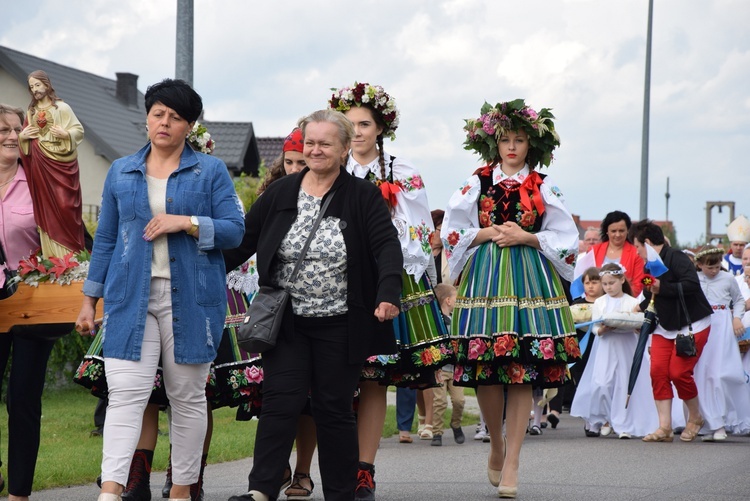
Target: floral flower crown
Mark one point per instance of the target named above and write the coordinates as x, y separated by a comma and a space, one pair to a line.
374, 95
483, 133
620, 271
708, 251
200, 139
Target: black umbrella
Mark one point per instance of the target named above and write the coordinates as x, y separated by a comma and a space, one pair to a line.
649, 324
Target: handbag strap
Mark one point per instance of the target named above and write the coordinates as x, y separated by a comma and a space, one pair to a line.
3, 259
314, 228
684, 307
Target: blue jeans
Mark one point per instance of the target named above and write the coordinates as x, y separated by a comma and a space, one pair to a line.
406, 400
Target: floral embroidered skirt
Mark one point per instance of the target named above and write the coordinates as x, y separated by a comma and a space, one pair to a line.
422, 337
512, 323
234, 377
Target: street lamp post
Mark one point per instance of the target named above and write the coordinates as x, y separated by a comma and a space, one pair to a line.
646, 112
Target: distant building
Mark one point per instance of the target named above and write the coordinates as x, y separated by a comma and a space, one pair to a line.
270, 148
114, 119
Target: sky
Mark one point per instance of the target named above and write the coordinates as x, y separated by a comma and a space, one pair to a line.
274, 62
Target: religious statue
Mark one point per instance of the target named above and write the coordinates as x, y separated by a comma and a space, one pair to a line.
49, 143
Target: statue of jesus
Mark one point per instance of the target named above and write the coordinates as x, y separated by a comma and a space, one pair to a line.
49, 143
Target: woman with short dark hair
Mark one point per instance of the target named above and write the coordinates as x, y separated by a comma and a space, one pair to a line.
166, 212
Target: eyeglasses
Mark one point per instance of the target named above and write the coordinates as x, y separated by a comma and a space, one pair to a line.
5, 131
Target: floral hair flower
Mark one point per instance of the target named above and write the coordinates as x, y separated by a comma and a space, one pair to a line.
375, 96
200, 139
483, 133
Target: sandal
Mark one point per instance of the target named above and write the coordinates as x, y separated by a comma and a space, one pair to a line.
426, 432
421, 424
301, 492
660, 435
689, 433
287, 479
405, 439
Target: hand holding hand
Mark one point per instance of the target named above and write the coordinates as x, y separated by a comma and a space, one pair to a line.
165, 223
386, 311
509, 234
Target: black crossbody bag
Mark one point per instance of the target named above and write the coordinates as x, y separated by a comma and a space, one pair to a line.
685, 343
259, 331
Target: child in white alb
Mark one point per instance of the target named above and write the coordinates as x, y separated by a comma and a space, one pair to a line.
724, 395
446, 296
602, 392
743, 281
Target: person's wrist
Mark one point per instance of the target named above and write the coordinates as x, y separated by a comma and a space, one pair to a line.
194, 225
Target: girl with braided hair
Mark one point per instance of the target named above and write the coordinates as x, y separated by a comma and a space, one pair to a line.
421, 334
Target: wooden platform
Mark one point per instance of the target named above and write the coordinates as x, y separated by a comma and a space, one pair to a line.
46, 304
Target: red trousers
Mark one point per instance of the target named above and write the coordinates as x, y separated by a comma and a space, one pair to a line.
668, 368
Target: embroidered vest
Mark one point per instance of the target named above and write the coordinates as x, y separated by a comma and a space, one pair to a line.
502, 202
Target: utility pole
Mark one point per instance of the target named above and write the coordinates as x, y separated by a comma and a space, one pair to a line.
646, 112
184, 43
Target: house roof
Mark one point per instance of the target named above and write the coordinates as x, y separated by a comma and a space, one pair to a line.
236, 144
116, 128
270, 148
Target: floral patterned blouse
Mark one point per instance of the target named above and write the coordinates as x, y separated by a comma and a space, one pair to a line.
411, 213
321, 286
465, 216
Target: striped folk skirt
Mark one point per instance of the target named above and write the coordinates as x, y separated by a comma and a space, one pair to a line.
512, 323
422, 337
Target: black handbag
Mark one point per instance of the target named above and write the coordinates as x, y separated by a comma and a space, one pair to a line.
8, 288
260, 328
685, 343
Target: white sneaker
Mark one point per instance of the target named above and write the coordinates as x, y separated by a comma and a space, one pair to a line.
480, 433
625, 436
486, 439
720, 435
606, 430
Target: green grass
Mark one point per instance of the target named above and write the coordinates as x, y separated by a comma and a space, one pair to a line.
69, 456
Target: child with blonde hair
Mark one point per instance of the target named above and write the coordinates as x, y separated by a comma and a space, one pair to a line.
446, 296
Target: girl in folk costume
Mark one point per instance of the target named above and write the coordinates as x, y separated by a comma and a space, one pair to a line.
603, 389
510, 238
724, 393
421, 334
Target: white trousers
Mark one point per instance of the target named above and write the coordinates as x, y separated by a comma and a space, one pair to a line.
130, 384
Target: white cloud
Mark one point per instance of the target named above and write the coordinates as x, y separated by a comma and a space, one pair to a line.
272, 62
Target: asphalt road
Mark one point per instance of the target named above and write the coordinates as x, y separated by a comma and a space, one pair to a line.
560, 464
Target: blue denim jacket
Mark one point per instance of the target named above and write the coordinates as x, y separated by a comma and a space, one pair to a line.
120, 269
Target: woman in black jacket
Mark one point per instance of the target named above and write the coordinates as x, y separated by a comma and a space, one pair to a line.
348, 286
666, 367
